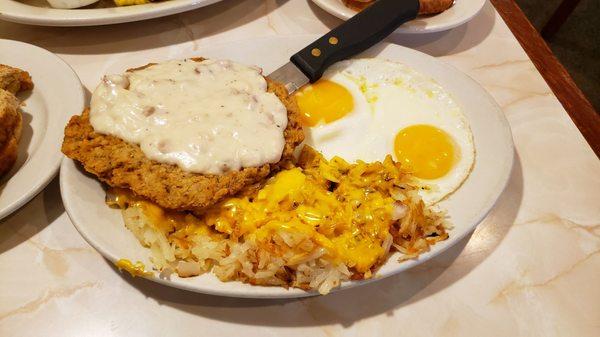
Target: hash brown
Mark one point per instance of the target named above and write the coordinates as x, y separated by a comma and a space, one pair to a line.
124, 165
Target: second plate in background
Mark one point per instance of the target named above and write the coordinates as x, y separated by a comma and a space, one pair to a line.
461, 12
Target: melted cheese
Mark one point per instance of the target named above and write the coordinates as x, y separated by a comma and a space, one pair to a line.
345, 209
206, 117
134, 269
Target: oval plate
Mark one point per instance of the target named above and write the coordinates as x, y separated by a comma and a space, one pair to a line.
56, 95
39, 12
461, 12
103, 228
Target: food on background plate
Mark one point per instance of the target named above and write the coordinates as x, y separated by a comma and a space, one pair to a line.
198, 155
72, 4
358, 5
365, 109
311, 226
185, 134
426, 6
134, 2
12, 81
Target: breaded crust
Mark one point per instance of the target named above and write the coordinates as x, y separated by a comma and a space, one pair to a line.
426, 7
122, 164
9, 116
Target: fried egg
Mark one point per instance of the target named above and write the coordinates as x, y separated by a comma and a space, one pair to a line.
332, 110
365, 109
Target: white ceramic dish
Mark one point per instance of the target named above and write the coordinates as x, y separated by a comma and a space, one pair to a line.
103, 228
39, 12
56, 95
461, 12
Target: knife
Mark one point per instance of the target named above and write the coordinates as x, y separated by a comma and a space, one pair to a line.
357, 34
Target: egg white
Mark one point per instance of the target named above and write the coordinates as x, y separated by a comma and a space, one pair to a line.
338, 137
390, 96
69, 4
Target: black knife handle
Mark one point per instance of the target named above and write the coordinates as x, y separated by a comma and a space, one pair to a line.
357, 34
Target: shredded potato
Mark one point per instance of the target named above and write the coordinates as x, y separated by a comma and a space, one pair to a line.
311, 226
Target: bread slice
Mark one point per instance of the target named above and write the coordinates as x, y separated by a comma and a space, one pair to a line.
12, 81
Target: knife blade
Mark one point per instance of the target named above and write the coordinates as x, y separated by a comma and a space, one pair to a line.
354, 36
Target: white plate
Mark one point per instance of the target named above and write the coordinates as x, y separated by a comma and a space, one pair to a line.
39, 12
56, 95
103, 228
461, 12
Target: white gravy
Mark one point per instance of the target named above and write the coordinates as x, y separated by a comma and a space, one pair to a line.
206, 117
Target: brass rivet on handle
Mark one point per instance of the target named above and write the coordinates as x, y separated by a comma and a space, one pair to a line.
316, 52
333, 40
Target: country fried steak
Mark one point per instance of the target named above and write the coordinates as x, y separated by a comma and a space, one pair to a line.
122, 164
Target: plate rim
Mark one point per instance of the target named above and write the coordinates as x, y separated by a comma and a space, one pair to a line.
17, 12
407, 28
68, 165
52, 167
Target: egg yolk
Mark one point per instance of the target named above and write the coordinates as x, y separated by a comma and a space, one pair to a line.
428, 151
324, 101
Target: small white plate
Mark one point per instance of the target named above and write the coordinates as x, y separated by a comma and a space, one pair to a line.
57, 94
39, 12
83, 196
461, 12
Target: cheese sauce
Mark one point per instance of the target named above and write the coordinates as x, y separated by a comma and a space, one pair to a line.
206, 117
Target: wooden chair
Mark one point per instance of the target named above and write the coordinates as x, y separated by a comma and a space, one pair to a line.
558, 18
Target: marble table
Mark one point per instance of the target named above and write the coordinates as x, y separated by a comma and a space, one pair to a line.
530, 269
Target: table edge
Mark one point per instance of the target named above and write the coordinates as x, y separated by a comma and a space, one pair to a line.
554, 73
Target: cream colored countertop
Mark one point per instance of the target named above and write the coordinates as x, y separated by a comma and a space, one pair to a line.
532, 268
